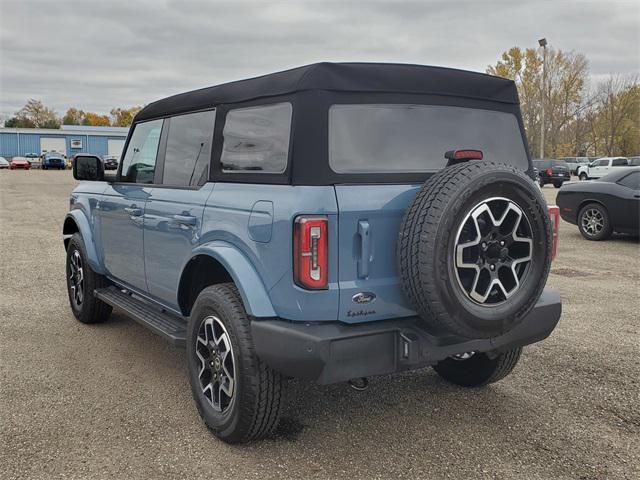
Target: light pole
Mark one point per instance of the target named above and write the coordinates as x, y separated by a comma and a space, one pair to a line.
543, 43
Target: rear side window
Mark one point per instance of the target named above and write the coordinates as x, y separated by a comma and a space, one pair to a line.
188, 152
632, 181
619, 162
414, 138
256, 139
139, 163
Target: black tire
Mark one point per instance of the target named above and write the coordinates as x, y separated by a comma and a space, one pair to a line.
583, 176
427, 241
253, 411
594, 231
557, 185
89, 309
478, 370
541, 183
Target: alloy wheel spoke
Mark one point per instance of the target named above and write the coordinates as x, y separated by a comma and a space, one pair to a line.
499, 252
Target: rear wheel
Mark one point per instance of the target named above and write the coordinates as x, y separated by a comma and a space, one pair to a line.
557, 185
478, 369
237, 395
475, 249
541, 182
594, 222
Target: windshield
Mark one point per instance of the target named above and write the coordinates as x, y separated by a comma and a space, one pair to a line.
414, 138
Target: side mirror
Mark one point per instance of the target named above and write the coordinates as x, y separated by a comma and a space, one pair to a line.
88, 167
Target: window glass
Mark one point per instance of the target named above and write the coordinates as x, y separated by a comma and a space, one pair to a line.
256, 139
619, 162
602, 163
188, 151
139, 163
632, 180
414, 138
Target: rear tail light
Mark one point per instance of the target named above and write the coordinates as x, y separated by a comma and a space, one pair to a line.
554, 213
549, 172
310, 252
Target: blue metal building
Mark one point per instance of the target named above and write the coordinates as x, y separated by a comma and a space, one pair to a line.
69, 140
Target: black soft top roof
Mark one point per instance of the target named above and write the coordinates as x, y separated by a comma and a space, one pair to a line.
342, 77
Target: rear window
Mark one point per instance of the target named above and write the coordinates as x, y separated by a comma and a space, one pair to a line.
631, 181
414, 138
540, 164
559, 163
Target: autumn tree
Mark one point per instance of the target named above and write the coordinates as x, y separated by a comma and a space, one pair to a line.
563, 92
123, 117
94, 119
35, 115
73, 116
614, 119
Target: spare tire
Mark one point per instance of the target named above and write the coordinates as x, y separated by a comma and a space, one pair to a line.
474, 249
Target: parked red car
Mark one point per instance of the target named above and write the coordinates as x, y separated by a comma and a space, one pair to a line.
19, 162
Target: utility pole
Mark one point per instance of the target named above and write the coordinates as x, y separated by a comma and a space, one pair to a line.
543, 43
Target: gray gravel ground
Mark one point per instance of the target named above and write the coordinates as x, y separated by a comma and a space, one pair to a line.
113, 400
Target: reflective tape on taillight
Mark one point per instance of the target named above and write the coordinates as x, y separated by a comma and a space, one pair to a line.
310, 252
554, 213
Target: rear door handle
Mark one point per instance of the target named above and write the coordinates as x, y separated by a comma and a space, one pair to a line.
185, 219
365, 248
133, 211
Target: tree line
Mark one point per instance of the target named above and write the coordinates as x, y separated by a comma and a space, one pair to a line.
580, 119
37, 115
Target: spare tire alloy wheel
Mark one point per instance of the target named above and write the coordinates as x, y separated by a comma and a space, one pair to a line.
493, 251
474, 249
217, 367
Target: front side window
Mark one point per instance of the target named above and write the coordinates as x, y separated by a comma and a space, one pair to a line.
256, 139
414, 138
602, 163
139, 163
186, 161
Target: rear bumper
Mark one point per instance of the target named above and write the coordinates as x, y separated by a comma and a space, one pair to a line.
334, 352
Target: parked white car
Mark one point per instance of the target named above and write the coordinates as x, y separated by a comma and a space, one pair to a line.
4, 163
601, 167
576, 162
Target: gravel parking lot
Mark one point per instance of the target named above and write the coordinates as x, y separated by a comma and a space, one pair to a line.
113, 400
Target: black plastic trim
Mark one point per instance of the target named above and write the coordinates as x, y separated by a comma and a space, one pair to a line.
333, 352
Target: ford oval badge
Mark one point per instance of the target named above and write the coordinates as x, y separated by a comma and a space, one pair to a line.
363, 297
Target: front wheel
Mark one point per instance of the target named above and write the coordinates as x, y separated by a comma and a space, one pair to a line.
557, 185
583, 177
81, 283
594, 223
541, 182
478, 369
237, 395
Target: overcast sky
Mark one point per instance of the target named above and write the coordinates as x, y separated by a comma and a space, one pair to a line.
99, 54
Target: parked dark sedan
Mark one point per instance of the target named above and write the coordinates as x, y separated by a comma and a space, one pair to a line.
600, 207
552, 171
110, 162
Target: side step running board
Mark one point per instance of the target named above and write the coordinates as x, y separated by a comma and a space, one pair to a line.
168, 325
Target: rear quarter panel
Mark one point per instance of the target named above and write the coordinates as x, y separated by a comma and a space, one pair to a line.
258, 221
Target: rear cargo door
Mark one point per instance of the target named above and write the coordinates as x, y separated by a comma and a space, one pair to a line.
368, 225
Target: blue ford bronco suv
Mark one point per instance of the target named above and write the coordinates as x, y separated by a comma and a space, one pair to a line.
330, 222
